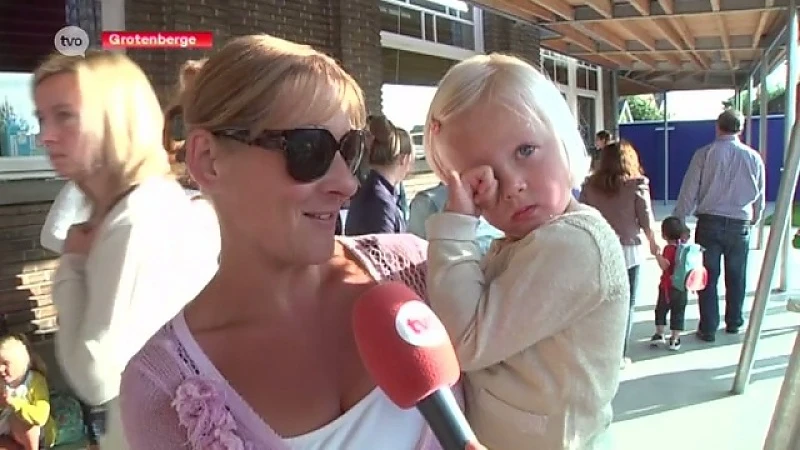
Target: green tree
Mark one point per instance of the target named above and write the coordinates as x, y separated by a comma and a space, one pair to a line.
642, 109
10, 120
774, 100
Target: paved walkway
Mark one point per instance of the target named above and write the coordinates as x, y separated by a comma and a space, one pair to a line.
682, 400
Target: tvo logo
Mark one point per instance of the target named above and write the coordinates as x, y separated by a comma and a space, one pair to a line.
419, 326
71, 41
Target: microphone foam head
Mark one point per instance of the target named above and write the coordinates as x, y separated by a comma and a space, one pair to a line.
403, 345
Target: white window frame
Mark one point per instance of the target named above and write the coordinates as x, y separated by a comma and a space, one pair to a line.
27, 167
427, 47
571, 89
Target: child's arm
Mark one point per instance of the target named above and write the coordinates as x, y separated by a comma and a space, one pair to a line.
35, 412
663, 263
551, 281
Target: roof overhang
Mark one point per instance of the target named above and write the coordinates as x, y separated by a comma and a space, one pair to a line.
660, 45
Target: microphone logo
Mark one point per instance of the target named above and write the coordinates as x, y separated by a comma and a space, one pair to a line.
419, 326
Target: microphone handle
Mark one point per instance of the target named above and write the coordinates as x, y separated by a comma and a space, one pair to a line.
444, 416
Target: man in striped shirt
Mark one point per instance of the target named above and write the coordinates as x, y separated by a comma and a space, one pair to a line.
724, 187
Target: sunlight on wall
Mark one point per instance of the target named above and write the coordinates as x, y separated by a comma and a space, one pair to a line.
697, 105
407, 106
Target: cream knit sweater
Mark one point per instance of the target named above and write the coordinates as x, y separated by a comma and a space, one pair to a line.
538, 326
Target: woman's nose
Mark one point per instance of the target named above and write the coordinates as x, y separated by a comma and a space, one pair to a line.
340, 177
47, 135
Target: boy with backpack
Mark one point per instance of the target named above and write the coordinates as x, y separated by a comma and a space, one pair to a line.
682, 272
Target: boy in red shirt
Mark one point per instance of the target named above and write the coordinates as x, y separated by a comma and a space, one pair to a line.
670, 300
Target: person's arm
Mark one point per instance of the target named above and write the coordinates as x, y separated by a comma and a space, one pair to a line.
690, 187
420, 209
36, 411
644, 215
92, 299
148, 417
67, 209
666, 257
550, 283
758, 205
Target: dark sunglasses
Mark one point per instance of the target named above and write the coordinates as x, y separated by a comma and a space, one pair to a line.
309, 152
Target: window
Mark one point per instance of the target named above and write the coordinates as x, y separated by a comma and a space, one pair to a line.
556, 67
448, 22
587, 115
587, 78
19, 147
397, 19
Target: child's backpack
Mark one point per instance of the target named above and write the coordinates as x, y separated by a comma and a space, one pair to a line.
689, 273
67, 413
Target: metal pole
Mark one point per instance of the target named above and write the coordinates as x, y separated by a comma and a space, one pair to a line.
666, 150
777, 233
615, 101
763, 130
748, 132
783, 429
789, 115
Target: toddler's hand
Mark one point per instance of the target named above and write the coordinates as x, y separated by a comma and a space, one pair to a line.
472, 192
475, 446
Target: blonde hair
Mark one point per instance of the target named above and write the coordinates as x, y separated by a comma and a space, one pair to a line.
35, 362
261, 82
120, 109
173, 117
515, 84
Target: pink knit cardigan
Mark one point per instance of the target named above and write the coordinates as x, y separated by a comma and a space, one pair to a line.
172, 397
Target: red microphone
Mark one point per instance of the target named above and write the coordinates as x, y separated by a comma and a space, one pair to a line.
408, 353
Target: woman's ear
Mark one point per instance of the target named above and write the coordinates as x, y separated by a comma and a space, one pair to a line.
201, 152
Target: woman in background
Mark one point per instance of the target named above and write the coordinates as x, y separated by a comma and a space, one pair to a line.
620, 191
174, 132
140, 255
376, 206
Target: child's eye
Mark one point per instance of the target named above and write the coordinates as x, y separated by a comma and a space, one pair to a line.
525, 150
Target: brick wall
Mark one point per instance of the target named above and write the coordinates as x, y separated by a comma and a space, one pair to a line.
25, 271
510, 37
348, 30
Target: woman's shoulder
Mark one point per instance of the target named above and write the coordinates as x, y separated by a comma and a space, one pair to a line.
160, 358
393, 257
391, 249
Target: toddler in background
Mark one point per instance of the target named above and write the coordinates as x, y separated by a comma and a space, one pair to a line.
25, 420
670, 299
538, 323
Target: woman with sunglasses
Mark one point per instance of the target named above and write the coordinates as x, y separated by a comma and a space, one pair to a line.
265, 357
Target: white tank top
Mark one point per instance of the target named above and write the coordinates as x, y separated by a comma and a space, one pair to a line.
373, 423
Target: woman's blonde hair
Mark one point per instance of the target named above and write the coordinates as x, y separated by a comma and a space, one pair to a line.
35, 362
515, 84
173, 122
261, 82
120, 108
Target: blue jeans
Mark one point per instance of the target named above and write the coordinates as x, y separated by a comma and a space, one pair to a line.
729, 239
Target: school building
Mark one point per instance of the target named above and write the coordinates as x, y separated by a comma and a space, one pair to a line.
621, 47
